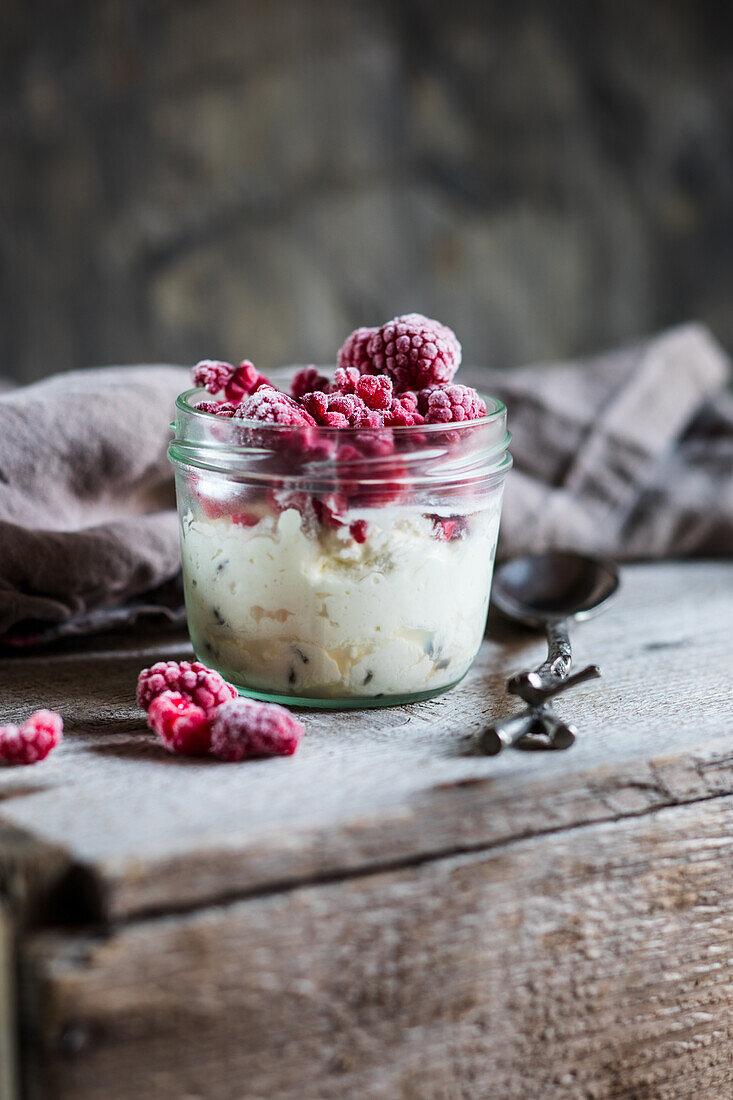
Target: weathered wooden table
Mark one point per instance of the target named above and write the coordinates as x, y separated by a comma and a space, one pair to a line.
387, 914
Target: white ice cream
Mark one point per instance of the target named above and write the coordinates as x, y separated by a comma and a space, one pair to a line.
284, 610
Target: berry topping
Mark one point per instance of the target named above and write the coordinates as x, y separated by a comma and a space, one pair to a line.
414, 351
375, 390
307, 380
212, 374
245, 380
341, 410
402, 412
448, 404
33, 740
274, 407
198, 683
344, 380
353, 352
352, 408
316, 404
182, 726
219, 408
243, 728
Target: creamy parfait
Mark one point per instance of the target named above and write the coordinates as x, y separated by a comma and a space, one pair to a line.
338, 540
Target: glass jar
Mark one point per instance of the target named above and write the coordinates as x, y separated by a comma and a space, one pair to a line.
334, 567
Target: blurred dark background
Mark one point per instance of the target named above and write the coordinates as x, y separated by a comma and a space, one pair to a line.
244, 178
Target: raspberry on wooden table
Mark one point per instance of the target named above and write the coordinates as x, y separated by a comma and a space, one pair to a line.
414, 351
198, 683
244, 728
33, 740
182, 726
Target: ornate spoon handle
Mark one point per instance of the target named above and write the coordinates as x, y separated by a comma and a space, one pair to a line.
536, 688
507, 733
552, 677
552, 732
559, 653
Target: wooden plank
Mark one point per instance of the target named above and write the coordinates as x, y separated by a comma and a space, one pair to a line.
8, 1036
374, 788
593, 963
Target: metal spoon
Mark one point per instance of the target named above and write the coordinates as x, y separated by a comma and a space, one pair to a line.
548, 590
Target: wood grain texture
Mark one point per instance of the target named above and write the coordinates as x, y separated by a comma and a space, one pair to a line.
8, 1023
369, 789
595, 963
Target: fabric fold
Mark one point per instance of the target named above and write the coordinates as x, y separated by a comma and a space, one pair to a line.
628, 453
87, 509
603, 455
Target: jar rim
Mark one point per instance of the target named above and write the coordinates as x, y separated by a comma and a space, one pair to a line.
496, 406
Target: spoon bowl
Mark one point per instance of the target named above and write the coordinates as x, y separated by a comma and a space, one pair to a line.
537, 589
548, 590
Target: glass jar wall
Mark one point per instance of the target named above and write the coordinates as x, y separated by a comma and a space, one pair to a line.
338, 567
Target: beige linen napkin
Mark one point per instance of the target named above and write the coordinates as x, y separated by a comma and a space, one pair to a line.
629, 453
88, 529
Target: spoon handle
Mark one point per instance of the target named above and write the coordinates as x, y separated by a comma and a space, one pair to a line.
507, 732
559, 653
534, 686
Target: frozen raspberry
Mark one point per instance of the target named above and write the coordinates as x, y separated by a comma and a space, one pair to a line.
349, 406
316, 404
375, 390
414, 351
447, 529
342, 410
367, 470
307, 380
274, 407
245, 380
402, 412
218, 408
182, 726
448, 404
244, 728
344, 380
33, 740
245, 519
444, 529
330, 510
198, 683
353, 351
358, 530
408, 401
212, 374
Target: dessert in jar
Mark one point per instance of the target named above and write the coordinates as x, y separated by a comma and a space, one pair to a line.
338, 539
